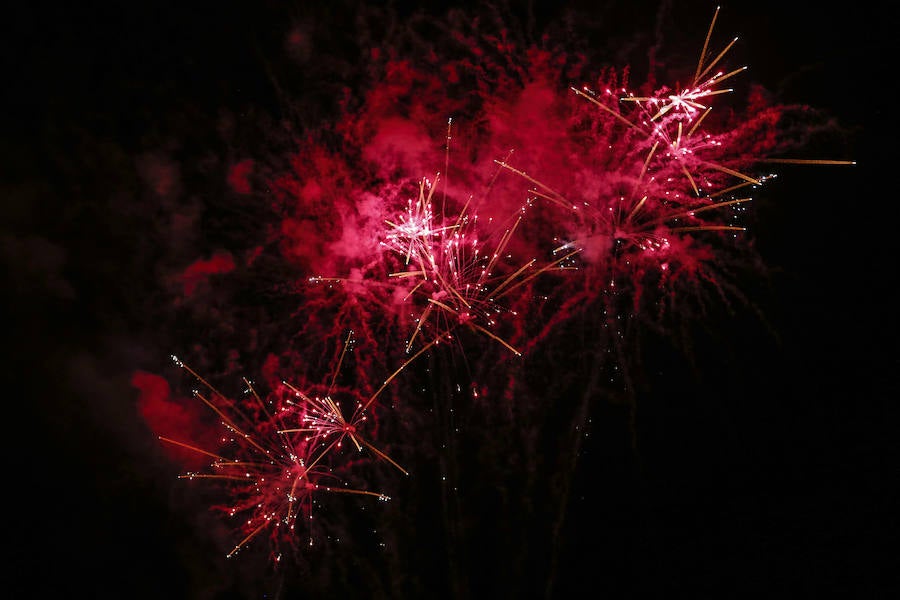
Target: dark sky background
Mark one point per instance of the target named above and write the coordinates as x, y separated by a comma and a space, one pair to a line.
772, 469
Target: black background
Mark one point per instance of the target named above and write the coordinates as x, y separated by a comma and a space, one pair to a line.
775, 475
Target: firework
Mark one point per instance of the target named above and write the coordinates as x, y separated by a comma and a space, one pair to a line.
652, 187
272, 473
657, 192
445, 269
669, 175
456, 272
459, 279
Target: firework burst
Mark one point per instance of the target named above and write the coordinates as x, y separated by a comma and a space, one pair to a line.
445, 269
459, 279
655, 195
271, 471
665, 172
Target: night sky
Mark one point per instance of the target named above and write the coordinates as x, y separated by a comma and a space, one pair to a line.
753, 455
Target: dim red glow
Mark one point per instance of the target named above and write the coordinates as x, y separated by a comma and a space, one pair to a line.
200, 271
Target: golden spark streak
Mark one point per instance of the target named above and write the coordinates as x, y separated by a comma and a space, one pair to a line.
543, 269
353, 491
383, 455
401, 367
732, 172
697, 124
807, 161
636, 208
645, 166
690, 179
727, 75
554, 197
606, 108
249, 537
194, 448
495, 337
229, 423
731, 189
715, 60
339, 363
496, 293
425, 314
705, 46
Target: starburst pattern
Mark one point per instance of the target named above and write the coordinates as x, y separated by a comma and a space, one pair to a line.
271, 472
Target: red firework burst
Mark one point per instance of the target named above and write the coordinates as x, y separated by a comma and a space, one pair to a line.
450, 278
653, 194
459, 279
276, 457
665, 171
